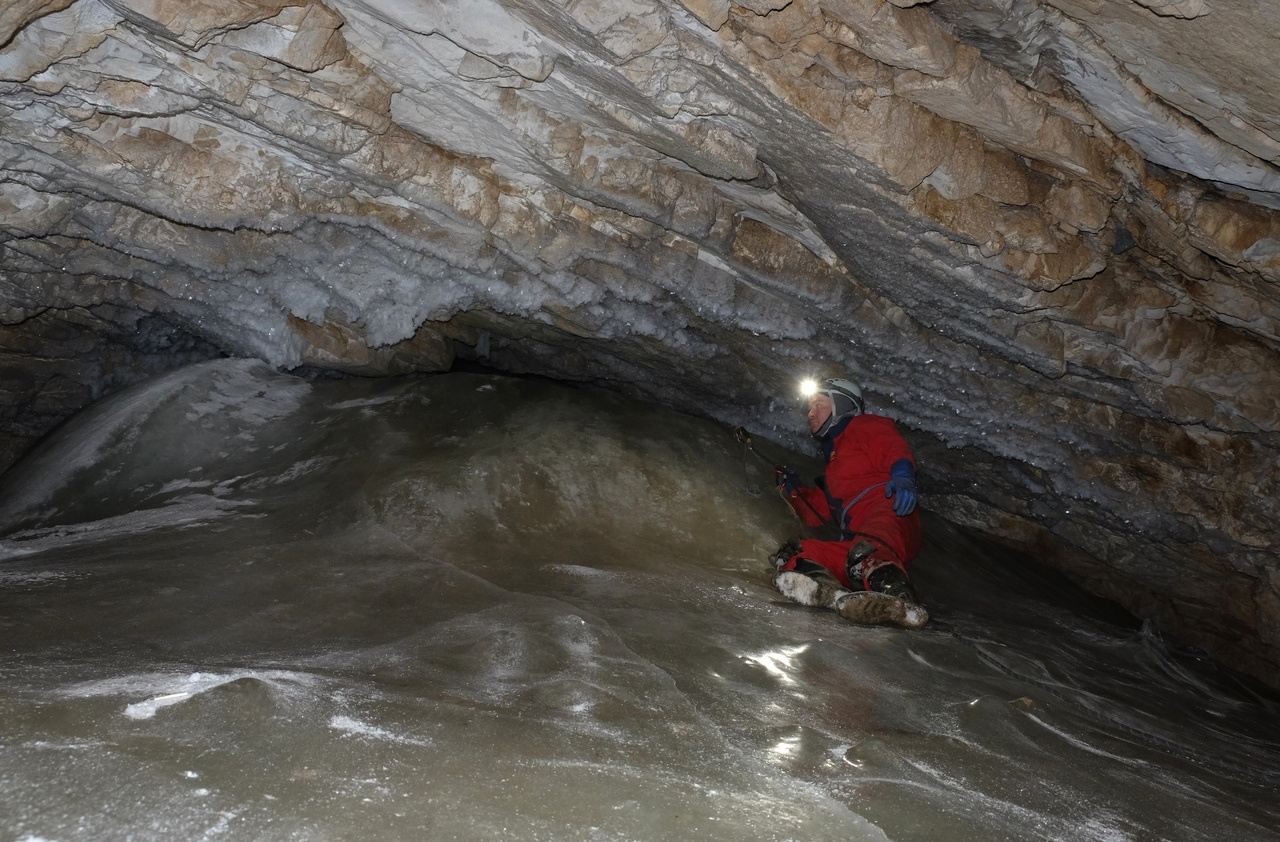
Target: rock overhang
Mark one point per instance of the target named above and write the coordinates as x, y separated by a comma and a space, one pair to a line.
1034, 264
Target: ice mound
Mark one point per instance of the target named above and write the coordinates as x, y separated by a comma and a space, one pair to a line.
466, 606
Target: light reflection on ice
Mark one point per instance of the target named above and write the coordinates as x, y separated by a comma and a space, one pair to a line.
779, 662
786, 746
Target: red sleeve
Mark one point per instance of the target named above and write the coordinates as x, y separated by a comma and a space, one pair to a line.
811, 506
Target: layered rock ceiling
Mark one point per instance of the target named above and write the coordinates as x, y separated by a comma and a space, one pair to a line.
1042, 232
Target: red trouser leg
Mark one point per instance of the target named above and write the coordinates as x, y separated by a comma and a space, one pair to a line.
897, 539
830, 554
902, 537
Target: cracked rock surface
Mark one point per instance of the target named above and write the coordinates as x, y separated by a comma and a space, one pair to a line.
1043, 233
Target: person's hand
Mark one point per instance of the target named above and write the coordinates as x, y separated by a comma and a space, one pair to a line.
903, 492
787, 479
902, 488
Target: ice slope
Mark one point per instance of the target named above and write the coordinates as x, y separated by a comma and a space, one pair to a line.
240, 605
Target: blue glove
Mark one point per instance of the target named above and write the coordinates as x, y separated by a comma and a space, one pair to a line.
902, 487
787, 479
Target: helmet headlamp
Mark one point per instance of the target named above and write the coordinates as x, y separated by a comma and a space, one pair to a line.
845, 397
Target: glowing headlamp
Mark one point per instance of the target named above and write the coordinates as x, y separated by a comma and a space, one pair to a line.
808, 388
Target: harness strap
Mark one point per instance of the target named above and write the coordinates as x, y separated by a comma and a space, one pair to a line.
844, 513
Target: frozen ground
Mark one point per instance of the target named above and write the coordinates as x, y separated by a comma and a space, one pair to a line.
235, 605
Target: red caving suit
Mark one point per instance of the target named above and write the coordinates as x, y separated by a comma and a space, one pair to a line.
858, 460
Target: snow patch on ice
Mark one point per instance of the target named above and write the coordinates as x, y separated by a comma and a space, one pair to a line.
242, 393
35, 577
295, 471
180, 484
1078, 743
1094, 829
361, 402
364, 729
918, 658
578, 570
191, 510
119, 418
164, 689
246, 391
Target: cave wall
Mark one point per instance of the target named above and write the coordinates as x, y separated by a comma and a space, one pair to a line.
1041, 232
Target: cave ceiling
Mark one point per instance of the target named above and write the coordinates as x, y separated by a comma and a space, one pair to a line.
1043, 234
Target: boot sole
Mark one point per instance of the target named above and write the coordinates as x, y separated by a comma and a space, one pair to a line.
875, 609
805, 590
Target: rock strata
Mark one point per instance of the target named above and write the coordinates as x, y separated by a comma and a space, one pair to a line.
1044, 234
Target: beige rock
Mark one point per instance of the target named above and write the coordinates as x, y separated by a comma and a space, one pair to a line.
18, 13
53, 36
627, 28
713, 13
994, 227
763, 7
196, 22
915, 140
343, 347
1074, 204
980, 95
907, 38
1071, 260
1004, 178
794, 21
1177, 8
961, 174
1228, 229
721, 152
772, 254
302, 37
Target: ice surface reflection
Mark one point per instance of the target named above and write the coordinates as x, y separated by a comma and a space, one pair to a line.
239, 605
779, 662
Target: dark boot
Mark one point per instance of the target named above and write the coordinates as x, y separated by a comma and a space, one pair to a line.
873, 609
858, 553
891, 580
891, 599
785, 553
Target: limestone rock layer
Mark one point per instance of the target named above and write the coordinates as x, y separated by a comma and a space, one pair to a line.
1043, 233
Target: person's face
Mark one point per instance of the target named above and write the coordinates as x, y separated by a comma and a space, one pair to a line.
819, 411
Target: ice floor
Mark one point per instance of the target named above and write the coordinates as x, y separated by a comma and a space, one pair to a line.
237, 605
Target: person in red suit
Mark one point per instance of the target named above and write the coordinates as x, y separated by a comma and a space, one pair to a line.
868, 491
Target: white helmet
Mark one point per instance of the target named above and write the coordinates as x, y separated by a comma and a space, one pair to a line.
846, 401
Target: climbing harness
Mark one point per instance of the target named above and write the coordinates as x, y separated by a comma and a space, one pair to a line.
843, 522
